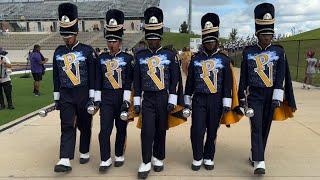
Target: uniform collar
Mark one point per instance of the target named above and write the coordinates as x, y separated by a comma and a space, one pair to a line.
264, 48
74, 45
116, 54
215, 52
156, 50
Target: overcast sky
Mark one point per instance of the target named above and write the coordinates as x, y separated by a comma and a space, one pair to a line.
303, 15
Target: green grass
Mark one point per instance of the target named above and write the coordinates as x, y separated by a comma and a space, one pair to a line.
178, 40
313, 34
24, 100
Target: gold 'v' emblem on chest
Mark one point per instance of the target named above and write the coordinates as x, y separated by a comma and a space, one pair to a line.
69, 60
112, 68
154, 65
208, 70
262, 61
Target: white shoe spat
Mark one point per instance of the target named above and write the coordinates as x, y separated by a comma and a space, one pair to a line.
65, 162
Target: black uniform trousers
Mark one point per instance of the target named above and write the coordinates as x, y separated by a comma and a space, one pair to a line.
7, 89
154, 125
111, 101
73, 115
260, 100
206, 115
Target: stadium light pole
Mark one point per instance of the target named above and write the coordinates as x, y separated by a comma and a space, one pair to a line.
189, 16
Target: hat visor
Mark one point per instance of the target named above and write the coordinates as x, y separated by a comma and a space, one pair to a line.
68, 34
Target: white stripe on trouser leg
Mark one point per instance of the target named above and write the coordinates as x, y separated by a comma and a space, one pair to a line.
144, 167
97, 96
126, 95
227, 102
56, 96
173, 98
278, 94
137, 100
187, 100
91, 93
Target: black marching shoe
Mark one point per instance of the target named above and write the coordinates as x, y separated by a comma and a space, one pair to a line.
84, 160
118, 163
105, 165
143, 175
259, 171
208, 164
157, 164
209, 167
158, 168
195, 168
62, 168
103, 169
196, 165
259, 167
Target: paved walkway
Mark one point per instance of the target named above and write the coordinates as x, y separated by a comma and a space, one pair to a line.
30, 150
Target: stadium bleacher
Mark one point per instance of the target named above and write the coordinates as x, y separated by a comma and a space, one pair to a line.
87, 9
46, 10
51, 41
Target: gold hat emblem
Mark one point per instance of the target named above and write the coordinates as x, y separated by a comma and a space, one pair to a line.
65, 19
153, 20
267, 16
113, 22
208, 25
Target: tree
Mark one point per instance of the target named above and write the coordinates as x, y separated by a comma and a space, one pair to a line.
233, 34
184, 27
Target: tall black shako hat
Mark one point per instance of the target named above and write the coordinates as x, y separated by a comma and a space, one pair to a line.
68, 19
153, 25
210, 27
264, 15
114, 25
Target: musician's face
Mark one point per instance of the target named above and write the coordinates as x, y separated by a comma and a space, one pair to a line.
154, 43
265, 39
114, 46
70, 40
210, 46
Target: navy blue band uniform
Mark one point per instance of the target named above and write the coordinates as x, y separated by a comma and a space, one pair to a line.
265, 81
209, 87
262, 78
210, 83
73, 77
114, 80
157, 75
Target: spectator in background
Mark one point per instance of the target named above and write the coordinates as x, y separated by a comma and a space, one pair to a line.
318, 66
37, 67
185, 59
141, 46
5, 81
98, 51
310, 69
